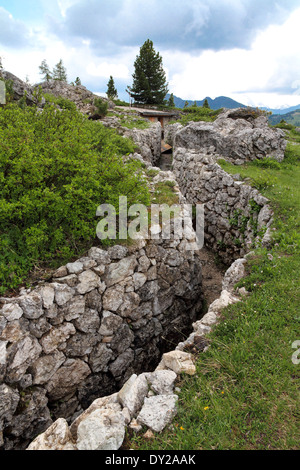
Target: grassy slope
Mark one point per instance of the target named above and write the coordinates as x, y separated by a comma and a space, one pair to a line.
245, 394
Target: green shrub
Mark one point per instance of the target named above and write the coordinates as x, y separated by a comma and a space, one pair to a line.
121, 103
285, 125
267, 163
101, 106
195, 113
263, 181
56, 168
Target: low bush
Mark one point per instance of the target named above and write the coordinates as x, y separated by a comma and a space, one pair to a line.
56, 168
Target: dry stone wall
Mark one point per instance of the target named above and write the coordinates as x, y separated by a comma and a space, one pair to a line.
82, 335
235, 213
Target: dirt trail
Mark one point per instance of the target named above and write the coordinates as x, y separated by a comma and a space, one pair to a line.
212, 274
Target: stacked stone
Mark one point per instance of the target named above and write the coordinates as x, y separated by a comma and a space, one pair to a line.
148, 141
81, 336
235, 213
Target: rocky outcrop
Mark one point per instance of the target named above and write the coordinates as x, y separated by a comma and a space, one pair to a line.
80, 95
19, 88
237, 135
148, 141
82, 335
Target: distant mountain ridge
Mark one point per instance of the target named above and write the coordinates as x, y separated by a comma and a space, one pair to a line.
229, 103
217, 103
290, 118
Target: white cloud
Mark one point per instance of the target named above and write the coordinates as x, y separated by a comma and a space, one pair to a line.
271, 64
267, 73
63, 5
105, 69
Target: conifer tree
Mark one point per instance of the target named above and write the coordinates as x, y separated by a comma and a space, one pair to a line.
205, 104
77, 81
186, 105
60, 72
112, 93
149, 79
45, 71
171, 102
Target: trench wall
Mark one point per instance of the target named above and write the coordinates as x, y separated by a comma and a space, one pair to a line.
236, 215
82, 335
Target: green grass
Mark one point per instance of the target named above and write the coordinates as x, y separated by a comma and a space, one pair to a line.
245, 394
165, 194
197, 114
134, 123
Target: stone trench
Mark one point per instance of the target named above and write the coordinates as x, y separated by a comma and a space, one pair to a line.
73, 351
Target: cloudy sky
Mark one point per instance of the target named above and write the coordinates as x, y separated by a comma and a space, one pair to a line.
248, 50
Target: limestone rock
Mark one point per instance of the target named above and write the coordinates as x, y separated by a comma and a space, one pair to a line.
45, 367
117, 272
75, 268
47, 294
21, 355
109, 323
9, 399
100, 357
67, 378
133, 393
224, 300
11, 312
108, 403
57, 437
113, 298
234, 274
118, 367
63, 293
103, 429
56, 336
117, 252
179, 362
101, 256
162, 381
158, 412
88, 280
31, 305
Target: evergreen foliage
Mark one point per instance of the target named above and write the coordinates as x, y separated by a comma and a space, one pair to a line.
171, 103
45, 71
112, 93
77, 81
205, 104
149, 79
60, 72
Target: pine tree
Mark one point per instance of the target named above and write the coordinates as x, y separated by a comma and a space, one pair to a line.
77, 81
171, 103
45, 71
60, 72
112, 93
186, 105
205, 104
149, 79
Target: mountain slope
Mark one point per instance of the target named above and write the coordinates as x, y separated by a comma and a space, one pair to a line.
290, 118
217, 103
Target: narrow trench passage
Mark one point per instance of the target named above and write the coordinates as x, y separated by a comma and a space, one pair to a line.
212, 270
